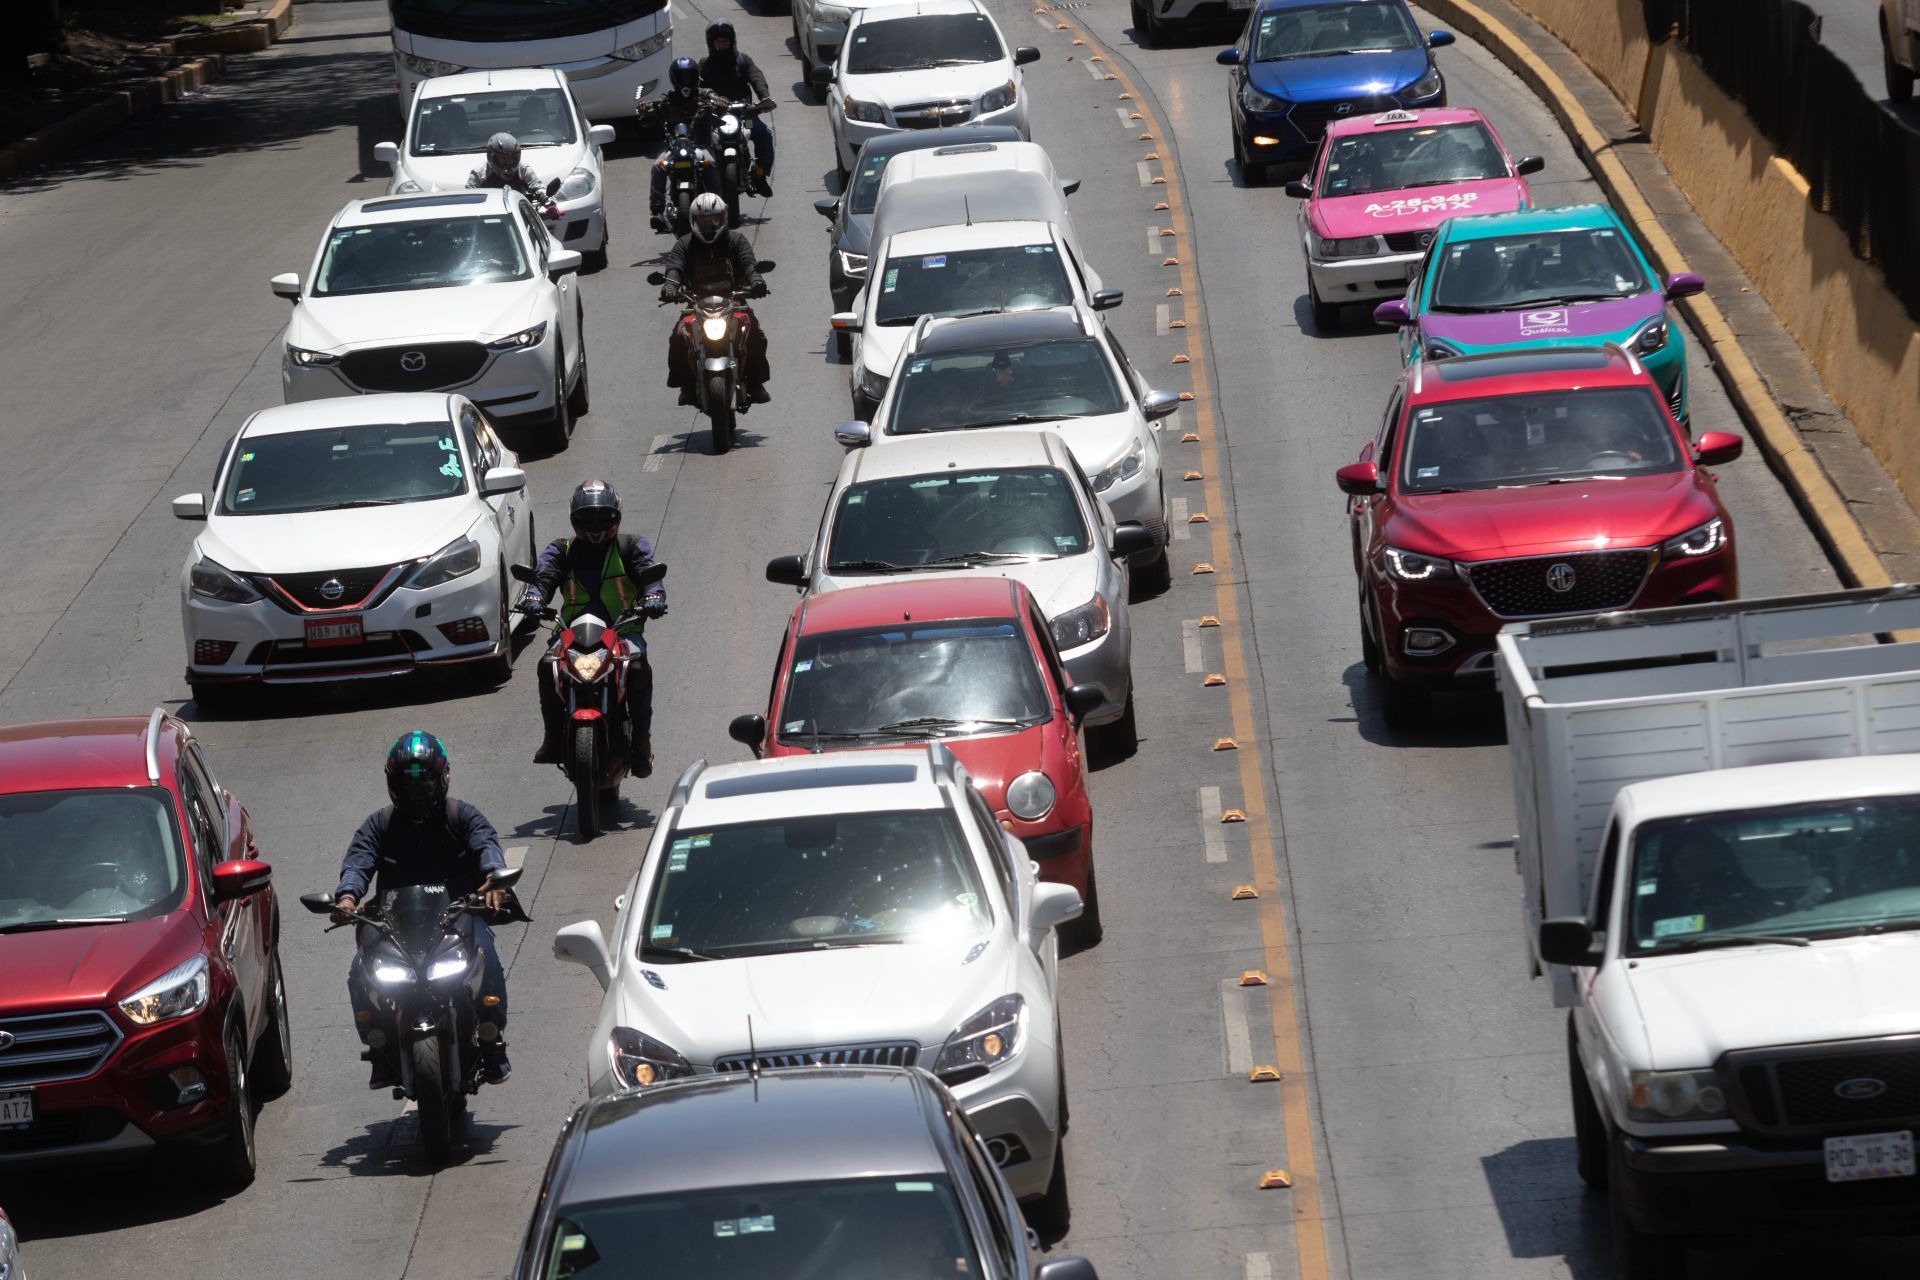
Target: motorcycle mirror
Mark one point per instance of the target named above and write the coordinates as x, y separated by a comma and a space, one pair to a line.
553, 187
521, 573
654, 277
505, 878
318, 903
765, 265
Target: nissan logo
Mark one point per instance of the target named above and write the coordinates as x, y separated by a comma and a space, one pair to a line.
333, 588
413, 361
6, 1041
1858, 1089
1561, 578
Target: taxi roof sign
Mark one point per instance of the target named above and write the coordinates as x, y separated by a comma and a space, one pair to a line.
1397, 116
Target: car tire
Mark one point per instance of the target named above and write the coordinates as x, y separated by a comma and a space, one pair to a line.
1115, 742
1589, 1130
1637, 1255
498, 669
1369, 647
1052, 1214
1899, 79
1060, 1058
1086, 931
596, 260
231, 1163
1152, 577
273, 1054
559, 429
1142, 24
580, 399
1403, 704
843, 345
1326, 315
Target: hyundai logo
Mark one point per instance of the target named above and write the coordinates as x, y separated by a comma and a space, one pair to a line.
1343, 109
1858, 1089
1561, 578
333, 588
6, 1041
413, 361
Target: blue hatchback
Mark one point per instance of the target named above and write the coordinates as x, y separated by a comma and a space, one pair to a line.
1302, 63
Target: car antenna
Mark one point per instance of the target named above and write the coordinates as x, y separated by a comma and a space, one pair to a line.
753, 1060
966, 202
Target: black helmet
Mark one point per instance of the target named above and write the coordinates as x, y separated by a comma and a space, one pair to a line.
684, 77
503, 153
595, 511
715, 30
417, 773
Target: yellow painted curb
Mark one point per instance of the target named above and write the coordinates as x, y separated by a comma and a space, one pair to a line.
1833, 524
241, 37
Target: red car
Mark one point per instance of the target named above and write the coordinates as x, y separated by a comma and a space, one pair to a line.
968, 661
142, 1003
1525, 484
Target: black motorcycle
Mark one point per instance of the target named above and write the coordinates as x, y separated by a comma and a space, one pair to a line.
732, 152
716, 351
422, 971
690, 172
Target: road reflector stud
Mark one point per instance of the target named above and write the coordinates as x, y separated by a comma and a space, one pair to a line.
1204, 567
1175, 293
1190, 437
1253, 978
1263, 1073
1213, 681
1208, 620
1225, 744
1198, 517
1079, 42
1163, 204
1109, 76
1193, 475
1151, 155
1147, 137
1275, 1180
1125, 97
1136, 116
1176, 324
1096, 58
1241, 892
1165, 232
1061, 26
1169, 262
1186, 395
1182, 358
1232, 815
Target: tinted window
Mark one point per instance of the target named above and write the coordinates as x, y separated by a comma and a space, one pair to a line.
957, 518
923, 41
1544, 269
1016, 278
83, 855
1360, 26
448, 126
351, 466
514, 20
912, 682
1005, 386
1395, 159
420, 255
1605, 433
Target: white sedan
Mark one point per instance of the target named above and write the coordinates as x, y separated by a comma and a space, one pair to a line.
354, 538
452, 118
861, 908
461, 291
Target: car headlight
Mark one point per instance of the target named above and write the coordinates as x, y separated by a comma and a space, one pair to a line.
830, 13
852, 264
180, 991
870, 384
865, 112
1650, 337
1254, 100
1030, 795
1434, 349
1703, 541
1082, 625
1351, 247
715, 327
1408, 567
451, 965
308, 359
391, 974
455, 560
985, 1040
1656, 1097
217, 582
406, 187
1124, 467
644, 48
577, 184
999, 99
638, 1059
587, 665
428, 66
1426, 86
528, 337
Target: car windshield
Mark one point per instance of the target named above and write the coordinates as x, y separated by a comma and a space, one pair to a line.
1004, 386
1396, 159
78, 857
456, 125
420, 254
343, 467
1799, 871
864, 192
914, 682
814, 883
1319, 31
1547, 268
1547, 437
923, 41
954, 519
1020, 277
887, 1228
490, 21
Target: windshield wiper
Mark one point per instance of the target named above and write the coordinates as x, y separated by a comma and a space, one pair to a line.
361, 502
1569, 299
1011, 420
1738, 940
988, 557
34, 926
657, 952
1448, 182
946, 722
870, 566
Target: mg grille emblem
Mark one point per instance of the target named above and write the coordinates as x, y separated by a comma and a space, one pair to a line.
1561, 578
413, 361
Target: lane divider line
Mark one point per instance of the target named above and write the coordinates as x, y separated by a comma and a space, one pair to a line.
1121, 112
1259, 1266
656, 454
1196, 657
1177, 517
1146, 172
1233, 1020
1162, 313
516, 855
1211, 840
1095, 70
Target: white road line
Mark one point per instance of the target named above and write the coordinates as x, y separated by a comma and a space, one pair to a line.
1216, 844
1095, 70
1239, 1056
1046, 22
1153, 240
1146, 173
1259, 1265
1177, 517
1161, 314
1124, 122
1170, 425
516, 854
656, 457
1190, 644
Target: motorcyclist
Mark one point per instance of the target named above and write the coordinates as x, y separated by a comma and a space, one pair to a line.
597, 571
424, 837
735, 76
687, 108
713, 259
503, 169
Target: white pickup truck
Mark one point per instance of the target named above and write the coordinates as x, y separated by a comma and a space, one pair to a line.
1719, 838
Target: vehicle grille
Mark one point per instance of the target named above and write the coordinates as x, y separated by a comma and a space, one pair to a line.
60, 1129
1601, 580
1676, 400
932, 115
55, 1046
379, 647
442, 364
903, 1054
1408, 241
304, 589
1312, 118
1797, 1091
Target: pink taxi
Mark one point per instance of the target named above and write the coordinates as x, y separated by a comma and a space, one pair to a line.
1379, 187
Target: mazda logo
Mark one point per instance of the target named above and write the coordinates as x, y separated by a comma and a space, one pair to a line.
413, 361
1561, 578
333, 588
1858, 1089
6, 1041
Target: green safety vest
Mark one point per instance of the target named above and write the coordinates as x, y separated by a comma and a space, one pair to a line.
616, 588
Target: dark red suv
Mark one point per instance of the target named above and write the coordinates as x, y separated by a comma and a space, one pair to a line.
1525, 484
142, 1003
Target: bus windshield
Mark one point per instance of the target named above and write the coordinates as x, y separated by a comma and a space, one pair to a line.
503, 20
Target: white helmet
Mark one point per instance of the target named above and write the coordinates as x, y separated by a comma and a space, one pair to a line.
709, 216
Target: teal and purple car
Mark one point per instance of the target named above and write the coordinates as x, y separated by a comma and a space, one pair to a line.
1544, 277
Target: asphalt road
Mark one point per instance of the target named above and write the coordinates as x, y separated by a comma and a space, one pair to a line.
139, 332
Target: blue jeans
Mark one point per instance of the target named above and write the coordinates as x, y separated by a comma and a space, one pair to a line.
493, 982
760, 133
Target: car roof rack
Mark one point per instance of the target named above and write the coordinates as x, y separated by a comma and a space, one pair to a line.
683, 786
942, 763
153, 744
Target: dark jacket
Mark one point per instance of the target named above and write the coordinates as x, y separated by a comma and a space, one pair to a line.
581, 560
721, 267
522, 180
458, 849
697, 113
734, 76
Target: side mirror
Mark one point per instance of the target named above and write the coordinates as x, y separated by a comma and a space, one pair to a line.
827, 207
553, 187
1717, 448
1066, 1269
1156, 405
854, 435
1069, 185
1568, 940
1130, 539
1024, 54
654, 277
521, 573
1529, 164
502, 480
822, 76
1054, 905
1106, 299
1299, 190
241, 878
601, 135
1393, 313
1439, 39
1358, 479
505, 877
749, 731
562, 261
318, 903
1684, 284
1083, 700
845, 322
583, 944
387, 152
787, 571
190, 506
1228, 57
286, 285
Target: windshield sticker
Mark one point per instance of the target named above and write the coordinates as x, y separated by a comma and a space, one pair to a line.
341, 448
680, 846
726, 1228
676, 862
966, 899
1426, 473
1646, 888
913, 1186
1547, 320
701, 841
805, 664
660, 932
1423, 204
246, 457
1673, 926
893, 278
793, 726
938, 260
1064, 540
1037, 248
245, 495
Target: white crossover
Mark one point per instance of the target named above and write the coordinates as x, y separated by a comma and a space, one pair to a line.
452, 118
461, 291
353, 538
862, 908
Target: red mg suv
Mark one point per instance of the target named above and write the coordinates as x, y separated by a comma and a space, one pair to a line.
142, 1002
968, 661
1524, 484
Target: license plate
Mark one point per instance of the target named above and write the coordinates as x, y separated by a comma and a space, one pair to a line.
322, 632
1870, 1155
16, 1110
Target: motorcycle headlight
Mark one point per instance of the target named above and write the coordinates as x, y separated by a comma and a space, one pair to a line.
577, 184
853, 264
714, 327
528, 337
1030, 796
1254, 100
1657, 1097
985, 1040
1081, 625
390, 974
1650, 337
406, 187
999, 99
639, 1060
1124, 467
176, 993
309, 359
866, 112
1434, 349
428, 66
1408, 567
450, 965
587, 666
1351, 247
455, 560
1703, 541
1426, 86
216, 582
644, 48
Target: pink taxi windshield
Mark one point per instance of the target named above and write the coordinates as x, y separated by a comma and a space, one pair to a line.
1397, 159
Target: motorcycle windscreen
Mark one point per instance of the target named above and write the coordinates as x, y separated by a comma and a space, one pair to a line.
414, 914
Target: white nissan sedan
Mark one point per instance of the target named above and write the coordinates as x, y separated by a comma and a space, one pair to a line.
452, 118
851, 908
354, 538
462, 291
